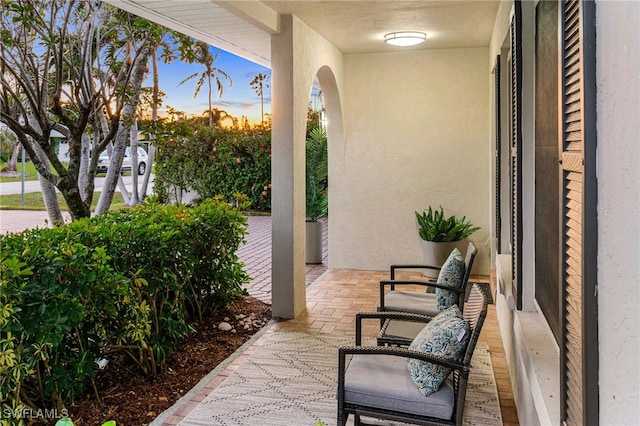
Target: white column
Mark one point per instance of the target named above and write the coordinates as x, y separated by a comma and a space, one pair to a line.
289, 109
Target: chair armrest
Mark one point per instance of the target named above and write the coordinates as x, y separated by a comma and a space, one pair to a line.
393, 283
410, 266
396, 351
384, 315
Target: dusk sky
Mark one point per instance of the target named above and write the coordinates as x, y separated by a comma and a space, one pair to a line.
238, 100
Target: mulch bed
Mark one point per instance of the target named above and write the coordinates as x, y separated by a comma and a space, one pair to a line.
132, 399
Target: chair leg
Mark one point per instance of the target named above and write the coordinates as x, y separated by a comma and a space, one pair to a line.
342, 418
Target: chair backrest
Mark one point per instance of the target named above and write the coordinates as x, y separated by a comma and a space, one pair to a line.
468, 264
475, 313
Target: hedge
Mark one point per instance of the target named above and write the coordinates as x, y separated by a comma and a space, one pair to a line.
129, 281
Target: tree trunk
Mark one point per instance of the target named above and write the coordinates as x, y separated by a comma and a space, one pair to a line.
140, 68
113, 173
124, 191
49, 195
210, 110
261, 108
50, 199
12, 164
154, 118
83, 176
147, 172
104, 202
156, 86
133, 136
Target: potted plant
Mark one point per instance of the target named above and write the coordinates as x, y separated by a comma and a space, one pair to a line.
317, 202
441, 235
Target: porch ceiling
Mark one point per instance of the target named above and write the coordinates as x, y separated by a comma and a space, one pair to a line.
244, 27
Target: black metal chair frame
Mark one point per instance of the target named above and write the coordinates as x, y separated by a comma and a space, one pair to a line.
386, 338
392, 282
475, 313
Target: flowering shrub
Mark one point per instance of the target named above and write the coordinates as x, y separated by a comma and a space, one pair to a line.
216, 162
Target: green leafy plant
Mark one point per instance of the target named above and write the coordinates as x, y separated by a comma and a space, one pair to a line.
317, 171
434, 226
130, 281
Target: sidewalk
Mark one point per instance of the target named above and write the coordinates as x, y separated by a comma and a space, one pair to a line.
19, 220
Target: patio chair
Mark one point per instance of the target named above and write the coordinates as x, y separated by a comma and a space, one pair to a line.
424, 303
376, 382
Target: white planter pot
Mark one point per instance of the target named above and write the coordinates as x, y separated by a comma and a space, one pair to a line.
436, 254
314, 242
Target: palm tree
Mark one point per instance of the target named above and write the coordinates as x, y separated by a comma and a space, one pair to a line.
259, 83
202, 55
217, 116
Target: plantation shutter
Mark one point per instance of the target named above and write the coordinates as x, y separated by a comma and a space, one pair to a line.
579, 354
516, 158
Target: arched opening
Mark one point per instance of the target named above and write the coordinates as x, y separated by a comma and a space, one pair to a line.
332, 121
324, 133
316, 183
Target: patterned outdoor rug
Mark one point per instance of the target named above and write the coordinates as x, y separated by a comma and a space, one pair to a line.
291, 380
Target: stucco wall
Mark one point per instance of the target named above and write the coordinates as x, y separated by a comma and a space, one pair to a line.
618, 157
417, 133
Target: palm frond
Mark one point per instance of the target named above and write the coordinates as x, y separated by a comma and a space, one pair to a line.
317, 170
191, 77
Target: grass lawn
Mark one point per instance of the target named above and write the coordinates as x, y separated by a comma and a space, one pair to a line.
33, 201
29, 169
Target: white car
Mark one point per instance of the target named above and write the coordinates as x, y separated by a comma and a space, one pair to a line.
104, 161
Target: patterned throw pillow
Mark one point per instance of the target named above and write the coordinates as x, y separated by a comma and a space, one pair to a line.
446, 336
450, 275
451, 312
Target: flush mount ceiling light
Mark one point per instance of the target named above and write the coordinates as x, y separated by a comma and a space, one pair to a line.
405, 38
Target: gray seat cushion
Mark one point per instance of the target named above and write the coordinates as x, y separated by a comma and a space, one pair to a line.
384, 382
411, 301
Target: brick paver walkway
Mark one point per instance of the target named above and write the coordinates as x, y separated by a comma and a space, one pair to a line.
256, 255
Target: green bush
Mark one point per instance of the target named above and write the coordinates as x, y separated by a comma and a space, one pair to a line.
130, 281
216, 162
55, 314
